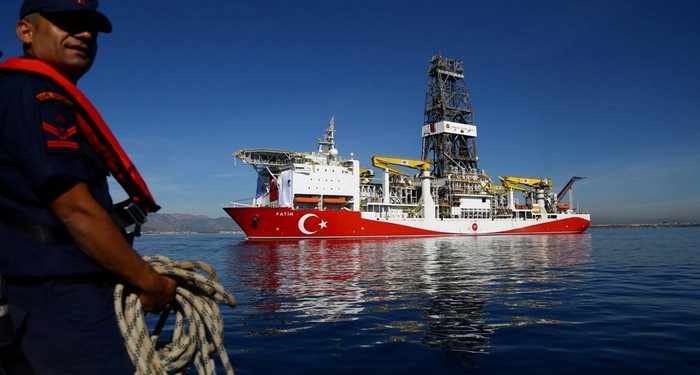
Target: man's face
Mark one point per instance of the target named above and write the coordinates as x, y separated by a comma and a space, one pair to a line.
63, 40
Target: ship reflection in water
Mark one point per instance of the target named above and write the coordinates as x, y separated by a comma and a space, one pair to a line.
449, 293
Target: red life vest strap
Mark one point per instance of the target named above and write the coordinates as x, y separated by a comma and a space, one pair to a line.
96, 131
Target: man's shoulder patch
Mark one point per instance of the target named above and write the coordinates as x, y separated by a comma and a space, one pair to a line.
50, 95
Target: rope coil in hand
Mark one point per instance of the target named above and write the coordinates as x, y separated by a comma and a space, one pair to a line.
198, 330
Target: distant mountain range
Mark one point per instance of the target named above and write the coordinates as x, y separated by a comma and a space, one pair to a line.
188, 223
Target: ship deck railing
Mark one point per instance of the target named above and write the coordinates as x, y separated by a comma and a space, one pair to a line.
240, 204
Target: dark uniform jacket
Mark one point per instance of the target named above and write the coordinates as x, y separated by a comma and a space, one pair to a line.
42, 155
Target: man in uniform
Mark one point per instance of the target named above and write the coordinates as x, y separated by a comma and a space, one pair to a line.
60, 251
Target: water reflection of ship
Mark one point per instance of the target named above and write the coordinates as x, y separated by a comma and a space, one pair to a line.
451, 281
454, 312
466, 275
317, 279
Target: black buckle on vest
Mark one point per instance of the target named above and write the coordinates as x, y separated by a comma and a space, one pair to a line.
126, 214
135, 213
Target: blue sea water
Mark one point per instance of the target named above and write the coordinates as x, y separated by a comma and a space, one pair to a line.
608, 301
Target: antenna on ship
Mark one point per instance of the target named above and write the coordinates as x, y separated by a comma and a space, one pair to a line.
449, 133
326, 145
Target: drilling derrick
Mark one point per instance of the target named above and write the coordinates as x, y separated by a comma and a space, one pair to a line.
449, 133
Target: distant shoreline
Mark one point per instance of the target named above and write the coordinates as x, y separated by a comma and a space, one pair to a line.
183, 232
646, 225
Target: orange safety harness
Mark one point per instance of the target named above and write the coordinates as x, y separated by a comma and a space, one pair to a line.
97, 133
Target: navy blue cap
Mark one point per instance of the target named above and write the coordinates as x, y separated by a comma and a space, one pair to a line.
86, 7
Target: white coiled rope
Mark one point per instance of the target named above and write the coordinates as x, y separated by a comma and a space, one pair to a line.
199, 328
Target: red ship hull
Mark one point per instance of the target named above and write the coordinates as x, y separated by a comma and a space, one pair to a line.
278, 223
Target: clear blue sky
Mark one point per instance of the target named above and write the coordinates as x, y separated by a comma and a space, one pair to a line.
609, 90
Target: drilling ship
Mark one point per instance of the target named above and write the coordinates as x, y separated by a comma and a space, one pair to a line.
320, 194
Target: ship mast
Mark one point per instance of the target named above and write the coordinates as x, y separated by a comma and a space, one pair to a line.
449, 133
326, 144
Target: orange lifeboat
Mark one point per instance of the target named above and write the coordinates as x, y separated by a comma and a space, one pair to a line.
334, 200
301, 199
564, 206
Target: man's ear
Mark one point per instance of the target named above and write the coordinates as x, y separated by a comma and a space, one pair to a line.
25, 31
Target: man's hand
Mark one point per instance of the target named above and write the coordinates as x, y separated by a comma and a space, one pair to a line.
159, 295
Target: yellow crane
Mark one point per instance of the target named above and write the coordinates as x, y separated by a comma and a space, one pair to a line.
518, 183
533, 188
385, 163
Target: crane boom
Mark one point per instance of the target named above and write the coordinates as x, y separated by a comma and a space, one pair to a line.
386, 162
517, 183
568, 187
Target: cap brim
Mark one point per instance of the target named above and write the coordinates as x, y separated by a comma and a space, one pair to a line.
103, 23
98, 19
93, 17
